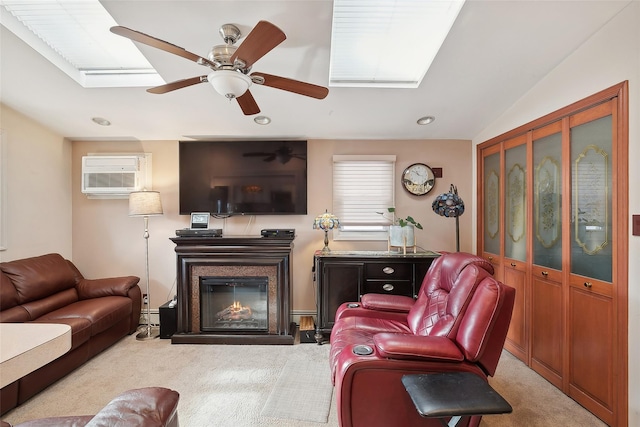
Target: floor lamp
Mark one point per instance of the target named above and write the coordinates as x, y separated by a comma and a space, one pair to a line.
146, 204
450, 205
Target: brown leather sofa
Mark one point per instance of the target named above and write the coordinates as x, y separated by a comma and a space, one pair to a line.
458, 323
50, 289
143, 407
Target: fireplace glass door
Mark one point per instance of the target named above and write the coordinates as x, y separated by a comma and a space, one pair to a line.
234, 304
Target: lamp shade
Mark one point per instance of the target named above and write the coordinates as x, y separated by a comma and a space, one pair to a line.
449, 204
326, 221
231, 84
144, 203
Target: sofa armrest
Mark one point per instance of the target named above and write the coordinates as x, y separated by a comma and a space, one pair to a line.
113, 286
416, 347
381, 302
143, 407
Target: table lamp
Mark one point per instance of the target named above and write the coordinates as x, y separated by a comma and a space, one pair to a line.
326, 221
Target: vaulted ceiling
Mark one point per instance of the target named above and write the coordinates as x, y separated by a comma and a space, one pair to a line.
495, 52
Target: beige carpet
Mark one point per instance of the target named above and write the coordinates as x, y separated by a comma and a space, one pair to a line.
225, 385
303, 392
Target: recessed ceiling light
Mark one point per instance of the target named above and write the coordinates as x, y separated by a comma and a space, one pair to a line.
426, 120
101, 121
262, 120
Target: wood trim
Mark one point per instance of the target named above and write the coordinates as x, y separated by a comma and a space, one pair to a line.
621, 255
566, 247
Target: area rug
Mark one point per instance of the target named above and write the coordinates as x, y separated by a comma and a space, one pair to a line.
302, 392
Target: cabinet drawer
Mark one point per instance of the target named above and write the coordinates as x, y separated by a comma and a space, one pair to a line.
394, 287
389, 270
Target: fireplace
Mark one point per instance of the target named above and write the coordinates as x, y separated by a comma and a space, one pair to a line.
233, 290
236, 304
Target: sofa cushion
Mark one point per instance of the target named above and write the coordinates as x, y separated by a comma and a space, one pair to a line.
14, 315
8, 293
80, 328
39, 308
101, 313
38, 277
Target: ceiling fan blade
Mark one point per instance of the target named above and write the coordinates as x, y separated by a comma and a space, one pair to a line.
264, 37
295, 86
143, 38
248, 105
179, 84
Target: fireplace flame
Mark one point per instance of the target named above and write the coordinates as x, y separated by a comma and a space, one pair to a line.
235, 311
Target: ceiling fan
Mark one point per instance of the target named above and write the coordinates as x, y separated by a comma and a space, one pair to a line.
282, 154
231, 64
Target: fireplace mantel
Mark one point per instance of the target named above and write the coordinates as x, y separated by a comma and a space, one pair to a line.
240, 256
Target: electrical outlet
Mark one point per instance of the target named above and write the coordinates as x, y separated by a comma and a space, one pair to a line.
145, 299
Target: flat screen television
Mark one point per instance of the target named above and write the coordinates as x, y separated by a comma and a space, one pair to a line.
243, 177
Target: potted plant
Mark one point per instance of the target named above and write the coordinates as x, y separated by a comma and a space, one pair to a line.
401, 230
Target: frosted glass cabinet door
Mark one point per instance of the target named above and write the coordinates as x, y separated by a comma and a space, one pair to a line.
547, 201
515, 207
591, 207
492, 203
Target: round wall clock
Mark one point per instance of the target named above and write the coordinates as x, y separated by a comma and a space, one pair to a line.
418, 179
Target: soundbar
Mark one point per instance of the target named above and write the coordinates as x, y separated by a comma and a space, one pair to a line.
208, 232
279, 233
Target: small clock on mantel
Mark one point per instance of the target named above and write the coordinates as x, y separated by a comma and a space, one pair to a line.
418, 179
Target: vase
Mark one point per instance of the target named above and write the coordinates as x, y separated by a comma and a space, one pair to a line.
402, 236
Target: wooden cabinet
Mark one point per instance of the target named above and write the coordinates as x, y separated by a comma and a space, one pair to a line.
553, 220
514, 273
547, 324
343, 276
337, 282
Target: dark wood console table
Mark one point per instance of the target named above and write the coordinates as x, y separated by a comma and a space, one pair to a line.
343, 276
240, 256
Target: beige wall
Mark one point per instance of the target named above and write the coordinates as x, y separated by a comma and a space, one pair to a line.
609, 57
36, 189
108, 242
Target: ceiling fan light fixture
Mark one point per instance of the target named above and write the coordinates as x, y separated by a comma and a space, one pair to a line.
231, 84
221, 54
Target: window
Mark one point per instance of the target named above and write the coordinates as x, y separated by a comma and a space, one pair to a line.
362, 188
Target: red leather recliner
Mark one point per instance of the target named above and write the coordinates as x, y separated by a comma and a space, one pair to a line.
458, 323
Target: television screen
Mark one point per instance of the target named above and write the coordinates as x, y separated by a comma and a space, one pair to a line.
243, 177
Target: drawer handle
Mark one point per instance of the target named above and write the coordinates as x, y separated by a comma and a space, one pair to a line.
545, 273
513, 264
388, 270
490, 258
588, 285
387, 287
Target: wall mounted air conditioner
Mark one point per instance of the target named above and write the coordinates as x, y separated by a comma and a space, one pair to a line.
115, 176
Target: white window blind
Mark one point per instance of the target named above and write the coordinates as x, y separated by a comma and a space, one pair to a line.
362, 187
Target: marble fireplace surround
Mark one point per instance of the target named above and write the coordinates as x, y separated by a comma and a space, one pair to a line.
237, 257
198, 271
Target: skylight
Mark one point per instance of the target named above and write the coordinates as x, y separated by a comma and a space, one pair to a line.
74, 35
387, 43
